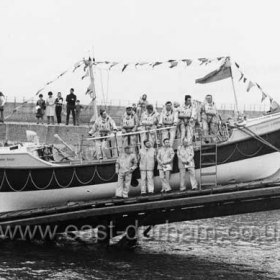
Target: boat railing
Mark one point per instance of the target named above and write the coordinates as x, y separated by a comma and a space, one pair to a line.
112, 144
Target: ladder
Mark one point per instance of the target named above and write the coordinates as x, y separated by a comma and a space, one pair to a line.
208, 159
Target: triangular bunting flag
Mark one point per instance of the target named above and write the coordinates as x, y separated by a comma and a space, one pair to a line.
187, 61
173, 64
113, 64
157, 63
263, 96
236, 65
86, 75
242, 75
124, 67
244, 80
250, 85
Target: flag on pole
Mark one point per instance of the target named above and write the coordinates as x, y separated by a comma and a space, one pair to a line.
222, 73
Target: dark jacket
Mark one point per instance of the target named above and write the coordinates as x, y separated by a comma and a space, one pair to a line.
71, 100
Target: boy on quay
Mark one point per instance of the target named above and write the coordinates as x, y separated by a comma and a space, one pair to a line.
40, 109
78, 110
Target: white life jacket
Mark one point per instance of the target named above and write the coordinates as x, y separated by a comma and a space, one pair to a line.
186, 111
168, 117
210, 109
128, 121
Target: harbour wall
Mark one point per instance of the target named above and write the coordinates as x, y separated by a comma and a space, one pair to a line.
27, 113
14, 128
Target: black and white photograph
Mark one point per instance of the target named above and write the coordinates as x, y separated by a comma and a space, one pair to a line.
139, 139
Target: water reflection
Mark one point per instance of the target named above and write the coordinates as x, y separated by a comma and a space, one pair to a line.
237, 247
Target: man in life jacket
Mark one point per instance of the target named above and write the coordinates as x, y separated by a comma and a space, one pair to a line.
165, 164
209, 117
148, 121
168, 118
125, 165
103, 126
187, 117
185, 154
147, 156
129, 124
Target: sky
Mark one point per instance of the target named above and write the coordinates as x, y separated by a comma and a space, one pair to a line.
42, 38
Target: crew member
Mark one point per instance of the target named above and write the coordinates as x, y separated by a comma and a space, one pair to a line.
147, 157
103, 126
209, 117
149, 121
165, 163
176, 108
185, 155
129, 124
125, 165
187, 117
143, 100
168, 118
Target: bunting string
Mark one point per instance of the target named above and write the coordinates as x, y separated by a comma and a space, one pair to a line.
250, 84
76, 66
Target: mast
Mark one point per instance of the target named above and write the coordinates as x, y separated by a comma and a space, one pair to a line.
91, 90
233, 87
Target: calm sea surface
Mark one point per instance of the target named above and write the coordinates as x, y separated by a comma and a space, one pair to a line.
237, 247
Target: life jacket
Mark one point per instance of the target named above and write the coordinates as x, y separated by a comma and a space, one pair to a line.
148, 119
210, 109
185, 112
103, 125
168, 117
128, 121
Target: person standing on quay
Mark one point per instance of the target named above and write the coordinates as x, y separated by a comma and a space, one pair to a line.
40, 109
58, 107
50, 110
125, 165
2, 103
71, 103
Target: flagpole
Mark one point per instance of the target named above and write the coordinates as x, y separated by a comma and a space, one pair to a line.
233, 87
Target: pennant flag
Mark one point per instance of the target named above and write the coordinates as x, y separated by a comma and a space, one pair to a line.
236, 65
39, 91
124, 67
173, 64
223, 72
250, 85
77, 65
62, 74
203, 60
258, 86
48, 83
242, 75
113, 64
91, 90
274, 105
264, 96
244, 80
86, 75
156, 64
187, 61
